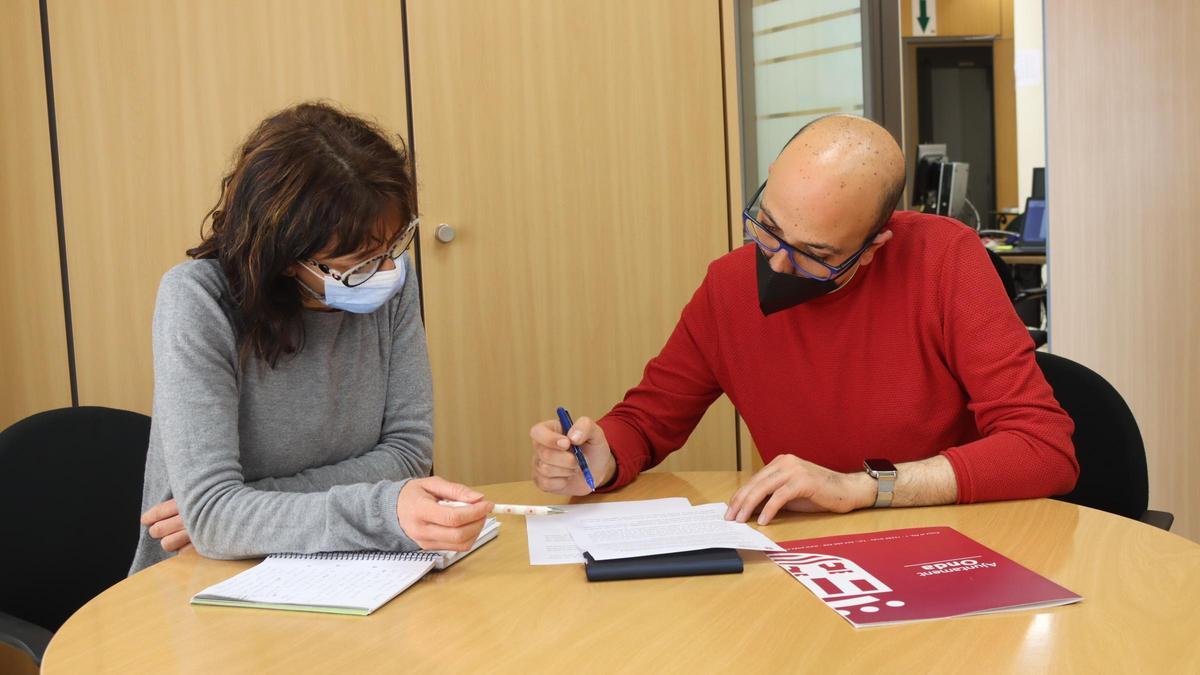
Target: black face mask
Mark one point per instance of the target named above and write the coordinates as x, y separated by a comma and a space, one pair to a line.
778, 291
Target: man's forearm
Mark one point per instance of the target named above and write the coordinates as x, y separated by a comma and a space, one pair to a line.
929, 482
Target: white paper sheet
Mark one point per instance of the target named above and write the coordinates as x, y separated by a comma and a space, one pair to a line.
630, 536
1028, 67
550, 540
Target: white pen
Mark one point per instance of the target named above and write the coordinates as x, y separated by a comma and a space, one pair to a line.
514, 509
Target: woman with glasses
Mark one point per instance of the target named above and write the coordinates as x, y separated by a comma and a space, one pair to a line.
292, 396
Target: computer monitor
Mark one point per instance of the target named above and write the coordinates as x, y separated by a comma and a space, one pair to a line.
952, 188
1039, 183
1036, 225
927, 175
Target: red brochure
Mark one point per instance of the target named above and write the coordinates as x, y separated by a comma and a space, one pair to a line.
916, 574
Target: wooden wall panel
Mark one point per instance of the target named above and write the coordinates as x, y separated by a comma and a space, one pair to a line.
959, 17
1006, 18
33, 337
747, 454
579, 149
908, 93
1004, 104
1122, 93
153, 99
1004, 87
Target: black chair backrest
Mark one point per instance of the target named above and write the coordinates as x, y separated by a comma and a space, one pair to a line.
1004, 271
70, 497
1108, 445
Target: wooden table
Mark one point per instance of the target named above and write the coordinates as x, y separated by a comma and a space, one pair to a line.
493, 612
1023, 258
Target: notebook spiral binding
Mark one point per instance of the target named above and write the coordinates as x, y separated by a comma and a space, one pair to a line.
423, 556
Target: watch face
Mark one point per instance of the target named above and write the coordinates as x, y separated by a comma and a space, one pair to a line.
880, 466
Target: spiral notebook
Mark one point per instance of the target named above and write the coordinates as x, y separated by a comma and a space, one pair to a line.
338, 583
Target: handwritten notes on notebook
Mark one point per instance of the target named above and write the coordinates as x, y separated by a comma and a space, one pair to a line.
339, 583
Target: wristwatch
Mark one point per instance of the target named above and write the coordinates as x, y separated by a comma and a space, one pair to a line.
884, 472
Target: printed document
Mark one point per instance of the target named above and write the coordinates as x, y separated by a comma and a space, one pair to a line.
631, 536
550, 540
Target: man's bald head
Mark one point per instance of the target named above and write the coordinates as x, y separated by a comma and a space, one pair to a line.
834, 185
854, 146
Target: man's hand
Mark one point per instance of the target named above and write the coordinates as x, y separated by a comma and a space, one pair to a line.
436, 527
555, 468
165, 524
797, 485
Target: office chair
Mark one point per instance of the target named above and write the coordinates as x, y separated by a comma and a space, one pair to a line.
1019, 296
70, 497
1108, 445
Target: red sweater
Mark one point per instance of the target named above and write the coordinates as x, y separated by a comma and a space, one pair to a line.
920, 354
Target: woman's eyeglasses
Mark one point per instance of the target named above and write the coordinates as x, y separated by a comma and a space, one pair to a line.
361, 272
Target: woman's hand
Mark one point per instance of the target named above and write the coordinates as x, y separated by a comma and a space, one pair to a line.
165, 524
436, 527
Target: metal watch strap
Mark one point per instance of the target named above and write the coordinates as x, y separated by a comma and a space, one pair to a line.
885, 488
885, 484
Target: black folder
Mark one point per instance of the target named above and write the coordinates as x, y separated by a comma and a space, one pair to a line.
683, 564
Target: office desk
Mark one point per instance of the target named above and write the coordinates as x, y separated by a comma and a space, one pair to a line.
1022, 258
493, 612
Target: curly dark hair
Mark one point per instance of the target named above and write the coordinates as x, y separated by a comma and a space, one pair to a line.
309, 178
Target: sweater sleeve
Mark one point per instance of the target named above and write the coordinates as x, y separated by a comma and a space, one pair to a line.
196, 411
1026, 449
405, 448
658, 415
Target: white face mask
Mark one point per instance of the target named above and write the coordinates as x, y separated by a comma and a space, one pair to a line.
367, 296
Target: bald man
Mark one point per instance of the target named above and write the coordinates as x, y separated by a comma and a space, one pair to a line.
873, 355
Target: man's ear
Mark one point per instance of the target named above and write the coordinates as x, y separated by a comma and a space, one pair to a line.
880, 239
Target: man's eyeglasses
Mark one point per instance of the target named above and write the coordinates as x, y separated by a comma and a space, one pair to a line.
360, 273
804, 264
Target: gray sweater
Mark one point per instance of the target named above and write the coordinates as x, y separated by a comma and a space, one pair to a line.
308, 456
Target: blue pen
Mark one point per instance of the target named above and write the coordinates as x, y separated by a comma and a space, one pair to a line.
564, 418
